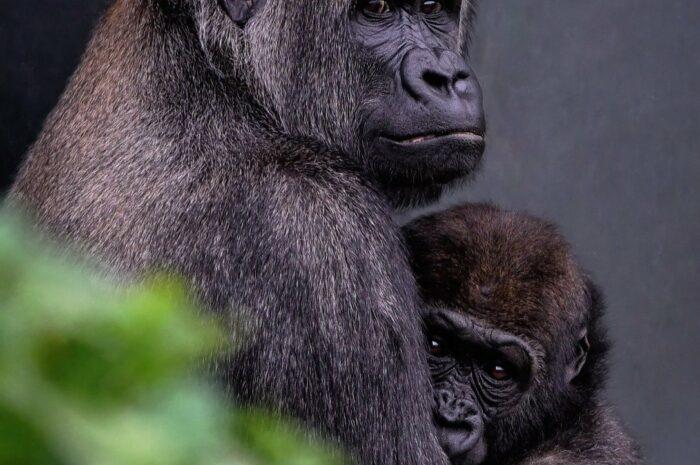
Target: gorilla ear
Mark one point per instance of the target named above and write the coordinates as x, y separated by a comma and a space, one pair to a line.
580, 357
241, 11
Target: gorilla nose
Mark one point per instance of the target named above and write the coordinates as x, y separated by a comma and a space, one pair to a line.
460, 427
435, 74
453, 410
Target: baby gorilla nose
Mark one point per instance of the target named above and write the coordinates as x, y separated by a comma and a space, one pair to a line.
454, 410
460, 427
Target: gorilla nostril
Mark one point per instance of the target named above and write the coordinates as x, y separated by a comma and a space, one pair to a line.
435, 80
461, 86
472, 416
445, 397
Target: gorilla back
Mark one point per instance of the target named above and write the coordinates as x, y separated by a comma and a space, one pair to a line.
254, 147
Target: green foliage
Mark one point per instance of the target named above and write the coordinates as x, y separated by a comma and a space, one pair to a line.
95, 375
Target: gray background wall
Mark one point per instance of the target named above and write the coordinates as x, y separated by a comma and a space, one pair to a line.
594, 115
594, 122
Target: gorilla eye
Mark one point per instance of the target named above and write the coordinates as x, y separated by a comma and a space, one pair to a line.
430, 7
498, 371
376, 7
436, 348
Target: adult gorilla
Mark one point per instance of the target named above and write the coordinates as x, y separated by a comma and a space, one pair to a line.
253, 147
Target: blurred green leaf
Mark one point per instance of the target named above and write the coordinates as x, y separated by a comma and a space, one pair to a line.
92, 374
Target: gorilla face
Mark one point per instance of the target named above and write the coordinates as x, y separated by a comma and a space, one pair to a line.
386, 81
428, 125
479, 375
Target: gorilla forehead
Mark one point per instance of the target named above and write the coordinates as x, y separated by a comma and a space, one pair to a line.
390, 40
306, 42
288, 35
515, 271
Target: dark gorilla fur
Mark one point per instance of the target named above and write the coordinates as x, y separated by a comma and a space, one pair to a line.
219, 140
516, 274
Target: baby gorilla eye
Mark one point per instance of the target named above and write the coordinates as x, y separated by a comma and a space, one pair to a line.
498, 371
430, 7
376, 7
436, 347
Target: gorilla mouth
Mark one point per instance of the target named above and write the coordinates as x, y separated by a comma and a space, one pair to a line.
464, 447
423, 162
467, 136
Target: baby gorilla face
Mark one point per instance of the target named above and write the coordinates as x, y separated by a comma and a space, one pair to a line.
506, 357
478, 374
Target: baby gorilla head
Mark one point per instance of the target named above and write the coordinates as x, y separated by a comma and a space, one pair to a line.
515, 349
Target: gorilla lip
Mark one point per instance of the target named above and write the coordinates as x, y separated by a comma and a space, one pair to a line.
466, 135
456, 442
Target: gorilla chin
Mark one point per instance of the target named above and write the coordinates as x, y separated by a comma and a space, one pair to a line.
444, 156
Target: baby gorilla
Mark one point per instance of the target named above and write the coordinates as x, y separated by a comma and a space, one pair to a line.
516, 347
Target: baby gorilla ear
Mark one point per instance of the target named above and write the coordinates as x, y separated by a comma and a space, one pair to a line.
241, 11
581, 354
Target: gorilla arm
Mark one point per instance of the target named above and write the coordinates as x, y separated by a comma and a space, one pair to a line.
597, 439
